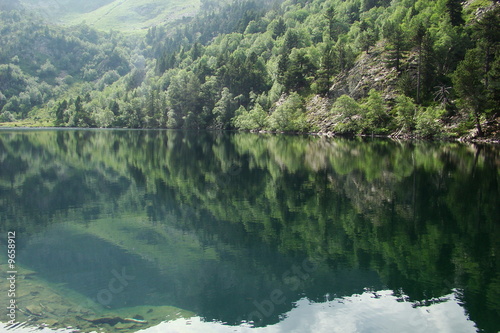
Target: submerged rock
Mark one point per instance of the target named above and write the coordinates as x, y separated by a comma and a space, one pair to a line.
34, 310
112, 321
50, 322
124, 326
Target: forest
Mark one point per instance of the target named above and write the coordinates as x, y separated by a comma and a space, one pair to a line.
406, 68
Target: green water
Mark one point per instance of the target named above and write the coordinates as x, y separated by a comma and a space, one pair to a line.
231, 228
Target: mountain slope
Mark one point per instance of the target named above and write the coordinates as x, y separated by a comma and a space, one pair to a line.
57, 8
403, 68
9, 5
121, 15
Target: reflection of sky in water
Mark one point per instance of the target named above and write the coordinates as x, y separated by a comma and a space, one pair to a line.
360, 313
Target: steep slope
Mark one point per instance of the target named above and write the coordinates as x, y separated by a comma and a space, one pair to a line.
57, 8
39, 63
9, 5
121, 15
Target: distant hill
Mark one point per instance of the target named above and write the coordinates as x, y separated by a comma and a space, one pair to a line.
56, 8
9, 4
122, 15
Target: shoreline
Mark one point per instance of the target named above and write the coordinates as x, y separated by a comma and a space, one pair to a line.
476, 140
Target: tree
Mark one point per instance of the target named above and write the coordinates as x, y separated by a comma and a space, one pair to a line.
47, 70
326, 70
299, 69
406, 111
224, 109
289, 116
468, 81
347, 115
256, 77
454, 9
283, 64
279, 28
343, 54
420, 34
115, 108
79, 112
254, 119
330, 16
366, 39
292, 40
376, 118
487, 34
183, 99
394, 35
60, 113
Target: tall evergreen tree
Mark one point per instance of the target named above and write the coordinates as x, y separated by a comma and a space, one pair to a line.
468, 82
454, 8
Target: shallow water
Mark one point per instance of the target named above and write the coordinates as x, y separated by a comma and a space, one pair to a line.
169, 231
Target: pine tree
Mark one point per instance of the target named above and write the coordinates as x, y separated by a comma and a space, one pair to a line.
60, 113
468, 82
454, 8
394, 35
279, 28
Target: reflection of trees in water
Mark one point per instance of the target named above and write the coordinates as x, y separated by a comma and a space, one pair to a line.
420, 214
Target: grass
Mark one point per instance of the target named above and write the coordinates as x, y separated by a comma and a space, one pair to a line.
28, 123
134, 15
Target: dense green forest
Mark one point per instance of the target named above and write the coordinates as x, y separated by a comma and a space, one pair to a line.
374, 67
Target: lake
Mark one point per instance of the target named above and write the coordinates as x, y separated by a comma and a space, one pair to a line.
171, 231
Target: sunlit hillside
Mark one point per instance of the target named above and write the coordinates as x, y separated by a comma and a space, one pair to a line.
122, 15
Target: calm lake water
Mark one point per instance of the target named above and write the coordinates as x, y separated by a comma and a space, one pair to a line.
169, 231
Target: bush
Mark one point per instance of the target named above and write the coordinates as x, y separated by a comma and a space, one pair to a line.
377, 121
405, 110
289, 116
427, 122
7, 117
254, 119
348, 115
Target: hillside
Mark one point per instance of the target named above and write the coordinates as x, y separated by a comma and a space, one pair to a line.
10, 5
40, 63
357, 67
121, 15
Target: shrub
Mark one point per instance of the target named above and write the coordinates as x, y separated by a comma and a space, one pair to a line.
7, 117
377, 120
405, 110
348, 115
254, 119
289, 116
427, 122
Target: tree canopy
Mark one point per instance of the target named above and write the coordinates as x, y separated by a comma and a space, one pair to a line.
439, 55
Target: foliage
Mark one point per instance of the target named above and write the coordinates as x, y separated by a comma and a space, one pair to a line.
289, 116
427, 123
254, 119
405, 111
7, 117
470, 87
347, 113
232, 56
377, 120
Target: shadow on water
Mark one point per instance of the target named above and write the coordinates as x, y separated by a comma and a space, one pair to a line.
240, 227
